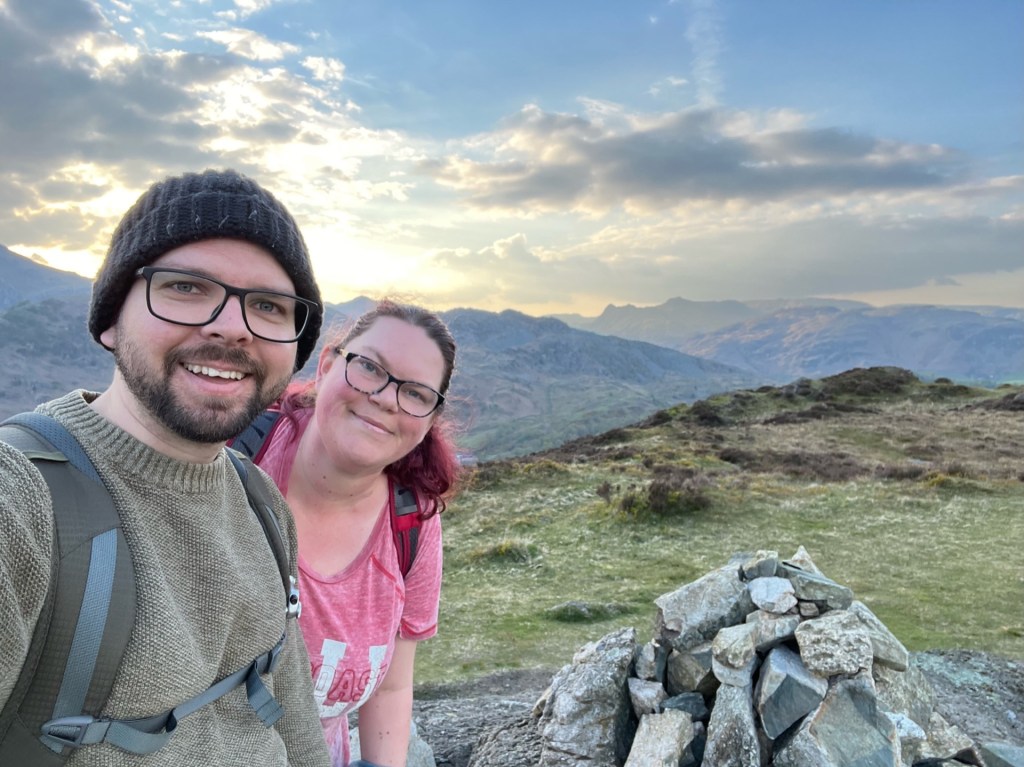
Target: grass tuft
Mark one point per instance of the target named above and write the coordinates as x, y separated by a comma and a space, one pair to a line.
505, 552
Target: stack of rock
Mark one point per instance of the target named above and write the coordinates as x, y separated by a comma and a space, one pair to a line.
762, 662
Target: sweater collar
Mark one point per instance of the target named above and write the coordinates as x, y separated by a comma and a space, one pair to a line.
109, 445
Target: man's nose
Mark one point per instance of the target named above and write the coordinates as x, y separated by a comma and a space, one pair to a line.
230, 323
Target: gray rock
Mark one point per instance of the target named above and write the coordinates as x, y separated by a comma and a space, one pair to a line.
661, 740
1002, 754
911, 737
694, 613
835, 643
772, 594
807, 609
650, 661
690, 702
646, 696
905, 692
847, 729
803, 560
888, 650
944, 740
732, 735
786, 691
587, 716
734, 645
516, 743
812, 587
690, 671
771, 630
761, 565
736, 677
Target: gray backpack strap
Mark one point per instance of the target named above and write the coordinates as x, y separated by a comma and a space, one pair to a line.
66, 679
78, 641
259, 500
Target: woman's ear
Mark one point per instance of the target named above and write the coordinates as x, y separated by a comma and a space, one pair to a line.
327, 357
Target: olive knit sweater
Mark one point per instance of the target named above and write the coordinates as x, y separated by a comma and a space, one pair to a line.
210, 598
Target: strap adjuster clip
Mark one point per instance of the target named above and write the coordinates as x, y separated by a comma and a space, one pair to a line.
71, 731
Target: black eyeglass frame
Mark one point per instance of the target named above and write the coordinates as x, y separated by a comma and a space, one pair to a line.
147, 272
349, 356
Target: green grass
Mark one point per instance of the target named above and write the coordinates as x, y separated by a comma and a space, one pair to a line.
938, 557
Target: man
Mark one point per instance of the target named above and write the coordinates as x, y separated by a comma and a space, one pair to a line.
208, 302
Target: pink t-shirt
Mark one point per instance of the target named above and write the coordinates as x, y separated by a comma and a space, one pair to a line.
350, 619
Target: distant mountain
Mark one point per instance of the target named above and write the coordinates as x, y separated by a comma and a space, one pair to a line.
522, 384
26, 280
526, 383
670, 323
47, 350
779, 340
932, 341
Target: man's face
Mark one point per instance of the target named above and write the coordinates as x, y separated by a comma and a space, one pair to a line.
204, 384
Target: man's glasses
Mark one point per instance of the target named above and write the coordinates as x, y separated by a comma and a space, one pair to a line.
366, 376
186, 298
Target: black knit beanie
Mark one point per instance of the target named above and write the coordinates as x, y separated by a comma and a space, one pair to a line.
195, 207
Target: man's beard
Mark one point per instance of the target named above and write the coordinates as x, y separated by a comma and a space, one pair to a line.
209, 420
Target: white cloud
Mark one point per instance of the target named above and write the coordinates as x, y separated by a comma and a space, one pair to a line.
249, 44
704, 35
325, 70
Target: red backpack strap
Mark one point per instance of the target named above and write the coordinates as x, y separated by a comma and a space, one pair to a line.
405, 524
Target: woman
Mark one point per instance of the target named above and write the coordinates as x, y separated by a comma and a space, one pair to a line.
370, 421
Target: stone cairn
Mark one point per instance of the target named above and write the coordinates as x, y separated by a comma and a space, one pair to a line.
762, 662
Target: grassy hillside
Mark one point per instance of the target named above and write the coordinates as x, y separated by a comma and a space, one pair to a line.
912, 494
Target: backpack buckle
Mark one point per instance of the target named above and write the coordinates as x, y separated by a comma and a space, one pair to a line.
294, 607
74, 731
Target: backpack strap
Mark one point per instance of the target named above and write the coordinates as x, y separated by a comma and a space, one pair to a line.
56, 703
78, 640
259, 499
405, 525
253, 441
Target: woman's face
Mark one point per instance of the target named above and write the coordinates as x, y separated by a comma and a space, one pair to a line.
370, 431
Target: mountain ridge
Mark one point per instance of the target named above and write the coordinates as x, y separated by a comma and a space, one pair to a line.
528, 383
522, 383
780, 340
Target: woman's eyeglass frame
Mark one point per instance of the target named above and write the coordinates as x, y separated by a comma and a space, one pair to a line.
389, 379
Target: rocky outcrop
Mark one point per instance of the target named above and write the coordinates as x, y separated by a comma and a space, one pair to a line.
762, 662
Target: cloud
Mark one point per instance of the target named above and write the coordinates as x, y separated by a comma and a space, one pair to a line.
703, 33
327, 70
638, 264
667, 83
246, 8
249, 44
607, 159
90, 111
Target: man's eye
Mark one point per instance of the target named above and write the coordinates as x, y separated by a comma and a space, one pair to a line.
184, 288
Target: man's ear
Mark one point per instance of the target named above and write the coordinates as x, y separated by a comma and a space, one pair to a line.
109, 338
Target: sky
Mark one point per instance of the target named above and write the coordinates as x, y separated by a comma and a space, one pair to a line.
549, 157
